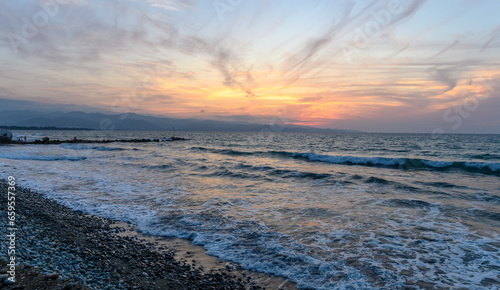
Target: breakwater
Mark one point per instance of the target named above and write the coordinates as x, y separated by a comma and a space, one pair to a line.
46, 141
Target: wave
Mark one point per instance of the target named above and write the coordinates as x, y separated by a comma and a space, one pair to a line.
394, 162
43, 157
223, 151
376, 180
404, 163
110, 149
441, 184
284, 173
224, 172
486, 156
90, 147
160, 167
410, 203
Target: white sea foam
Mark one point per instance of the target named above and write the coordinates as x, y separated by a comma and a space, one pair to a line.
388, 161
351, 159
437, 164
39, 157
493, 166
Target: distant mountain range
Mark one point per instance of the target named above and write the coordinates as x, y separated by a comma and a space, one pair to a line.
136, 122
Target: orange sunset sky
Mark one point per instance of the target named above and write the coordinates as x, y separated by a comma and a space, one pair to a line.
376, 66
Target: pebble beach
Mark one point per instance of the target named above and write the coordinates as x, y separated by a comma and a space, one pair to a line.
57, 248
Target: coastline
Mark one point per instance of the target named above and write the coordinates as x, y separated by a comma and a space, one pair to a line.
59, 247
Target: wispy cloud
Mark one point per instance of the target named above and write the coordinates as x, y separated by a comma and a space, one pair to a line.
324, 61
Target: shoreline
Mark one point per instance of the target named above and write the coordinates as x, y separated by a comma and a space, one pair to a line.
196, 256
57, 247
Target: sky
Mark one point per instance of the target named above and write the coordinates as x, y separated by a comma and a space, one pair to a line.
375, 66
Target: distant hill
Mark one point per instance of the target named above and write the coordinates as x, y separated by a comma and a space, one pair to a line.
64, 122
40, 128
132, 121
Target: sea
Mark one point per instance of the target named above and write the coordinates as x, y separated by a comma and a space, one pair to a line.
325, 210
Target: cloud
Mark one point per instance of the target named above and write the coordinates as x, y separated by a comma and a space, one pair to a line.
493, 35
352, 24
310, 99
324, 60
84, 31
446, 48
443, 75
233, 77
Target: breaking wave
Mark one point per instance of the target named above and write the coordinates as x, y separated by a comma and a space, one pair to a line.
401, 163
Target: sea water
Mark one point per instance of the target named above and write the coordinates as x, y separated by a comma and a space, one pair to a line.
326, 210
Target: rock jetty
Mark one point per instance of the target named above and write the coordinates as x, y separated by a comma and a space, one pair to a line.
47, 141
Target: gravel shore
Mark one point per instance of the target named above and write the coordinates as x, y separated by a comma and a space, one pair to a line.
57, 248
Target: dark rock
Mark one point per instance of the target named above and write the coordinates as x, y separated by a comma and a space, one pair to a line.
52, 276
8, 281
